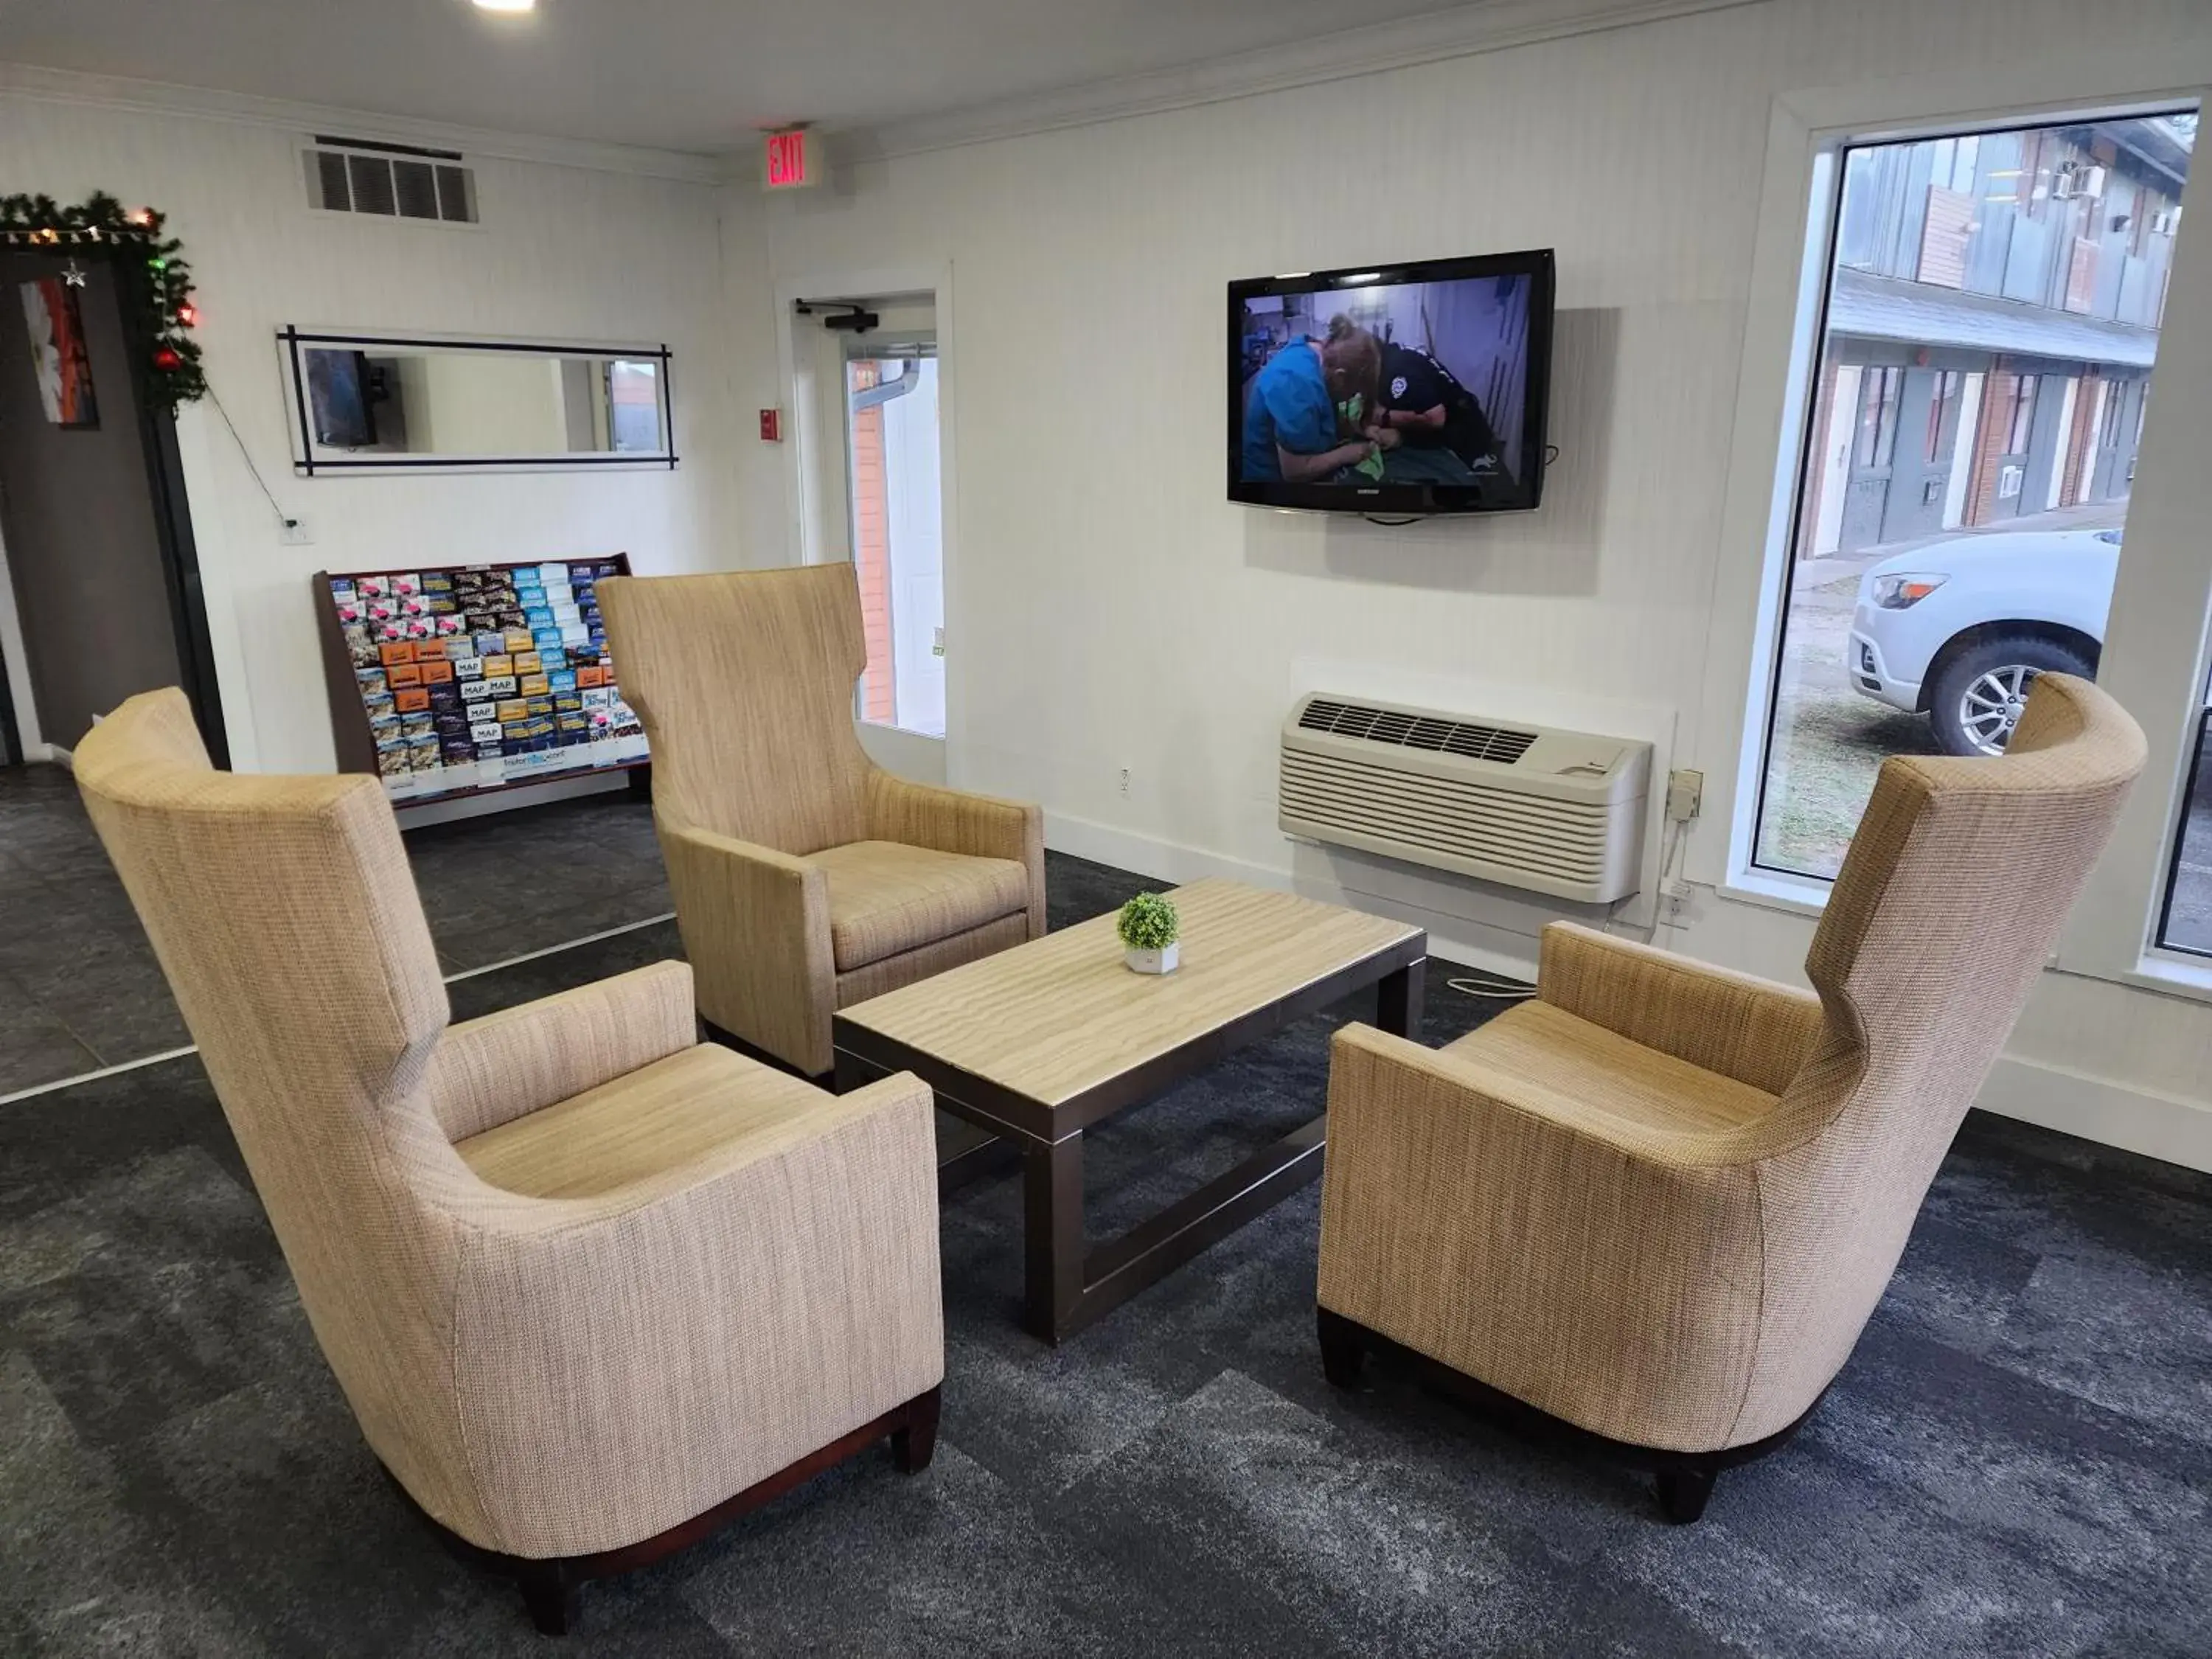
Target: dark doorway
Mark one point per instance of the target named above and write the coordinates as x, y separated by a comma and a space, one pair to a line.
92, 514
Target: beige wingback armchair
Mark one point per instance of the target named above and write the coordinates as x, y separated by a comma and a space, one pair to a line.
1658, 1202
583, 1280
806, 877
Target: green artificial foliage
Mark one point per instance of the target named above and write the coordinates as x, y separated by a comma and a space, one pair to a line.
1148, 922
100, 221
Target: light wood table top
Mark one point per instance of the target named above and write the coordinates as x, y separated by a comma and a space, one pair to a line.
1062, 1017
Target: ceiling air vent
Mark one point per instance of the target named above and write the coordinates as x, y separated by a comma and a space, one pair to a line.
1550, 812
390, 181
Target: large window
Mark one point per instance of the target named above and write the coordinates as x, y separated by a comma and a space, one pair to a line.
1998, 293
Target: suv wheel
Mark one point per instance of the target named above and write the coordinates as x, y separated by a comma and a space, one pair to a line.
1978, 694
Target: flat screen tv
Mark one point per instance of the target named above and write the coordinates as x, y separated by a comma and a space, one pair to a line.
1402, 389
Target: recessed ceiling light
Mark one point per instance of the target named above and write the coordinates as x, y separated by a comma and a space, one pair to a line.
507, 5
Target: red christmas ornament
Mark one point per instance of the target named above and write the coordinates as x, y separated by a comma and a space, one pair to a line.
167, 357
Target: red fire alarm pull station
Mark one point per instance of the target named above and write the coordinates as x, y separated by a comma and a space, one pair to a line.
771, 426
791, 161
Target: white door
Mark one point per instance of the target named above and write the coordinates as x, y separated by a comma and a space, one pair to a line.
1835, 462
1962, 453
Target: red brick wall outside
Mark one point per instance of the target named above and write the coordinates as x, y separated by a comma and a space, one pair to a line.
872, 551
1990, 439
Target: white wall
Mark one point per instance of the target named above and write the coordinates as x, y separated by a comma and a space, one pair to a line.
1110, 610
563, 253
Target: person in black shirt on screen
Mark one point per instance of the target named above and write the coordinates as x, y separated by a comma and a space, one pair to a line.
1423, 402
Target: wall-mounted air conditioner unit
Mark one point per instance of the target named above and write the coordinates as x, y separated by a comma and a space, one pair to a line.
2167, 221
1555, 812
2074, 180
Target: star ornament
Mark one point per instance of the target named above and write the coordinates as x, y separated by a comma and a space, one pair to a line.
73, 275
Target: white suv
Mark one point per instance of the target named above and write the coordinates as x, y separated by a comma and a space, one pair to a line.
1956, 629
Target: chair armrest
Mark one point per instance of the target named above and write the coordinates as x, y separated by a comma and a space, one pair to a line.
1584, 1264
488, 1071
756, 925
953, 821
668, 1343
1751, 1030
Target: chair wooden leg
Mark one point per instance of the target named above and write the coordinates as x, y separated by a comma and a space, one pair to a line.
1683, 1492
549, 1590
915, 1444
1343, 1349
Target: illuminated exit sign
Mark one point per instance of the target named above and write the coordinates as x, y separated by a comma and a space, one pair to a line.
791, 162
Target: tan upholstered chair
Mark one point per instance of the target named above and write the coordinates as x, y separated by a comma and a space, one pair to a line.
588, 1286
1659, 1202
806, 877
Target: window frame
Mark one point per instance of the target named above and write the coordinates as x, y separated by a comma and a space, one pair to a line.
2159, 638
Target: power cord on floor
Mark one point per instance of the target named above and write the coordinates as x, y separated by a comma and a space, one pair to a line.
1497, 989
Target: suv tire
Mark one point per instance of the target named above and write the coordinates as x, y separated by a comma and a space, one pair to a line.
1979, 692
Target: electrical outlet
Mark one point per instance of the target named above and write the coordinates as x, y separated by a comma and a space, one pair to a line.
1685, 794
295, 532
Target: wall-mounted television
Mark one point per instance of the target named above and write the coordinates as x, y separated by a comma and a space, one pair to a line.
1400, 389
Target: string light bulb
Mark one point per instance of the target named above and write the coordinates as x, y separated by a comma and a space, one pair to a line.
188, 315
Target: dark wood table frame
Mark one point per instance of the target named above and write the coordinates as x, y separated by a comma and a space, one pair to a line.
1070, 1283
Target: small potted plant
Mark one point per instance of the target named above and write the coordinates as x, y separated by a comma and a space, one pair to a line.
1150, 930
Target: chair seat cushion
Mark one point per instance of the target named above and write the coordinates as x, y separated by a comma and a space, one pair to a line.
886, 897
641, 1123
1557, 1053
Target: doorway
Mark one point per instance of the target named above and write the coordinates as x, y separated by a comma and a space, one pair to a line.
95, 538
878, 478
1873, 453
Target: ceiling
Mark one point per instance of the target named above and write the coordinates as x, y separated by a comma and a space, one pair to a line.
687, 75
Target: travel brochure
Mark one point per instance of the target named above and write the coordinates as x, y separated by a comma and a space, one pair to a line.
485, 676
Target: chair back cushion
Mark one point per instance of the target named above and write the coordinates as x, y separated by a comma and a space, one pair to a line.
744, 683
285, 916
1948, 903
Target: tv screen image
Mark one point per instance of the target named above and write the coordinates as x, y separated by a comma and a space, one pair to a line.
1417, 388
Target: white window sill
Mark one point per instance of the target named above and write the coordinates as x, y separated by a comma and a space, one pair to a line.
1799, 896
2169, 976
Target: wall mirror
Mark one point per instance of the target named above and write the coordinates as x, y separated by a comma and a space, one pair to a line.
364, 402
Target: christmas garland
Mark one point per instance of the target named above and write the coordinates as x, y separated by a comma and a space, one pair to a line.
173, 361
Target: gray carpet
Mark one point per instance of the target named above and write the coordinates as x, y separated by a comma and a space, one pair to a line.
80, 988
2018, 1460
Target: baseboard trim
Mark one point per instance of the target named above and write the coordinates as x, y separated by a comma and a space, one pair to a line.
1455, 938
2100, 1109
2111, 1114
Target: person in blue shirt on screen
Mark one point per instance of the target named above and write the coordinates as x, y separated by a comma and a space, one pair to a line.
1295, 429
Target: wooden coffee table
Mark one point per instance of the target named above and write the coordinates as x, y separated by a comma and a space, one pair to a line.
1037, 1044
